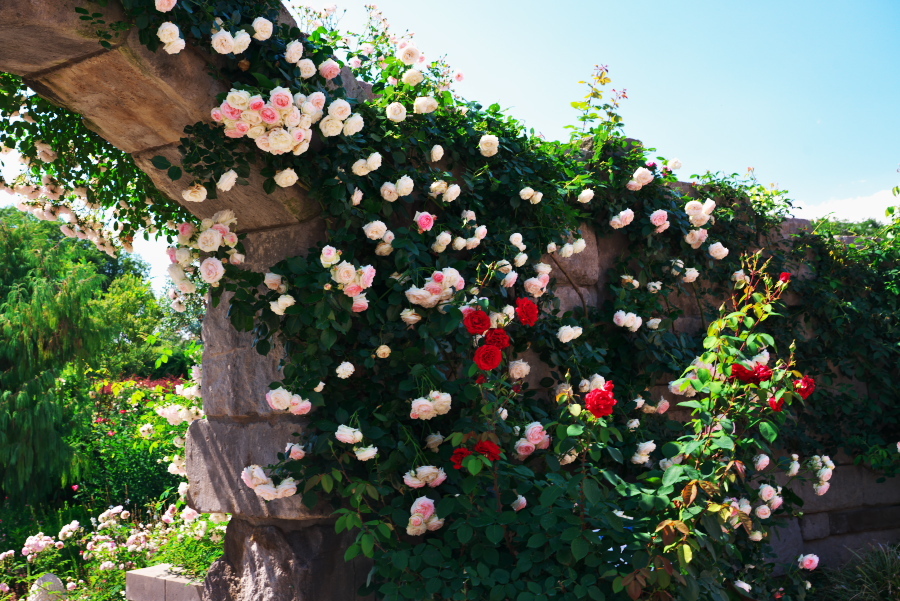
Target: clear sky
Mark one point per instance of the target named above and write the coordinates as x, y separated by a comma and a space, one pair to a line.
805, 92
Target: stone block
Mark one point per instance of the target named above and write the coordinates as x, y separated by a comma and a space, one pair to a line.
582, 269
569, 298
268, 563
39, 35
265, 248
609, 250
852, 487
160, 583
864, 520
217, 452
787, 541
835, 551
815, 526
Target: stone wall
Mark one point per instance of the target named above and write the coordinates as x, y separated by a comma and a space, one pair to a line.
141, 102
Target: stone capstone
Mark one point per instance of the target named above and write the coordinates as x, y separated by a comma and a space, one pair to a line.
268, 563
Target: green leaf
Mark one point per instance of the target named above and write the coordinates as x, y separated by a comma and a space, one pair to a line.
160, 162
494, 533
574, 430
174, 173
672, 475
580, 548
769, 432
592, 490
464, 533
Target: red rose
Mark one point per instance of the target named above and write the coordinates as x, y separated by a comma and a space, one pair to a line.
488, 449
785, 277
743, 374
458, 456
600, 401
517, 388
527, 311
477, 322
805, 386
776, 405
497, 337
480, 379
488, 357
762, 374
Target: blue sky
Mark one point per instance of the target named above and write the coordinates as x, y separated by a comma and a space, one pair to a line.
805, 92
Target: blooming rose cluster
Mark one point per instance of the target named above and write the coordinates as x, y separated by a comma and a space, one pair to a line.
642, 454
213, 235
280, 399
352, 281
255, 477
537, 285
535, 437
178, 414
423, 517
621, 219
439, 288
660, 219
436, 403
427, 475
73, 225
640, 178
823, 467
627, 320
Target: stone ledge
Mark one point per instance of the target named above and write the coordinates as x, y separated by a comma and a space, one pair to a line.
161, 583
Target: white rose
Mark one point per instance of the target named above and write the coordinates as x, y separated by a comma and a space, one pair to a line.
262, 29
174, 47
360, 168
437, 188
410, 317
294, 52
690, 275
568, 333
209, 241
344, 370
307, 68
520, 259
693, 207
717, 251
211, 270
389, 192
459, 243
227, 180
168, 32
375, 230
409, 55
396, 112
339, 108
353, 125
653, 324
425, 104
383, 249
241, 42
196, 193
383, 351
519, 369
365, 453
279, 399
286, 178
404, 186
412, 77
343, 273
331, 126
222, 42
488, 145
452, 193
437, 153
586, 196
374, 161
566, 251
673, 164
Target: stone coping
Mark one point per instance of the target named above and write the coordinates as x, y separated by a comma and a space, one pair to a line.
162, 582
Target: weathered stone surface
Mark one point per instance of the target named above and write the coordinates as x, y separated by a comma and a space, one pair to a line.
569, 298
609, 250
217, 452
787, 542
815, 526
266, 563
582, 269
39, 35
852, 486
863, 520
160, 583
265, 248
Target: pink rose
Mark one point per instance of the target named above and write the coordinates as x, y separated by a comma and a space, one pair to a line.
217, 115
171, 252
524, 448
437, 276
534, 287
281, 99
186, 229
544, 443
663, 227
233, 133
367, 276
821, 489
295, 452
416, 520
434, 288
352, 290
355, 62
534, 432
329, 69
439, 479
659, 217
230, 111
211, 270
231, 239
269, 115
409, 478
808, 562
221, 228
519, 504
663, 406
776, 502
165, 6
633, 185
317, 99
298, 134
360, 304
299, 405
425, 221
423, 506
257, 103
243, 127
509, 280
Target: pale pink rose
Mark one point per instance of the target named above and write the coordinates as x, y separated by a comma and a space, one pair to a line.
165, 6
776, 502
348, 435
544, 444
659, 217
295, 451
329, 69
416, 520
439, 479
510, 279
270, 115
281, 98
186, 229
231, 112
663, 406
763, 512
423, 506
171, 252
422, 408
355, 63
524, 448
352, 290
299, 405
233, 133
534, 287
663, 227
534, 432
360, 304
633, 185
519, 504
217, 115
409, 478
643, 176
766, 492
544, 279
189, 514
434, 288
425, 221
257, 103
211, 270
231, 239
808, 562
761, 462
367, 276
822, 488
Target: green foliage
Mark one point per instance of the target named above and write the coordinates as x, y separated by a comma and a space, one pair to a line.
873, 575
